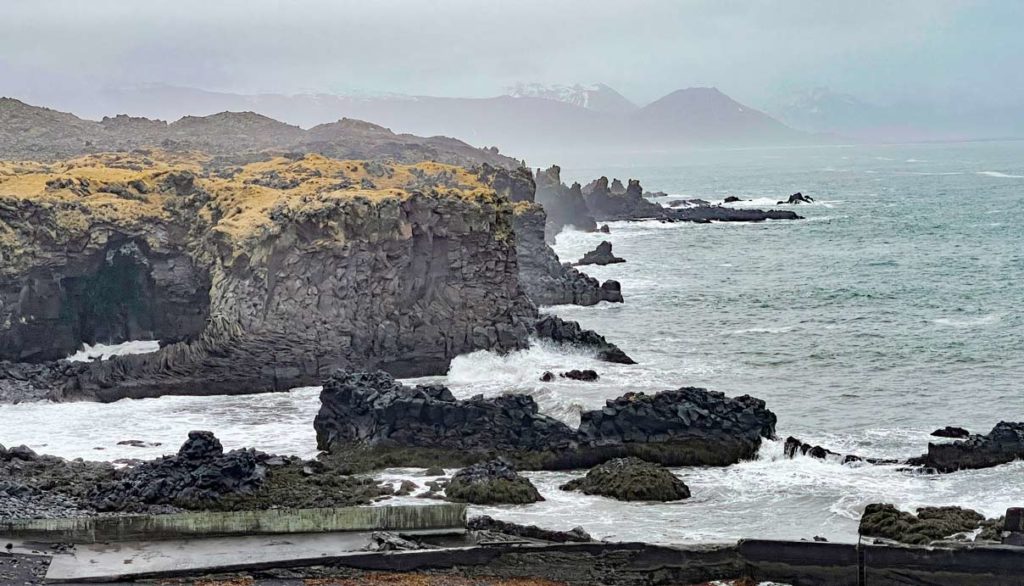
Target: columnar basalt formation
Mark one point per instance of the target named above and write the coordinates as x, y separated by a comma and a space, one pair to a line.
370, 420
1004, 444
258, 277
546, 280
564, 205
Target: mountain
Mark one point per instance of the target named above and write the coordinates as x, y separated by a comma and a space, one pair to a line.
32, 132
597, 97
707, 116
825, 111
539, 123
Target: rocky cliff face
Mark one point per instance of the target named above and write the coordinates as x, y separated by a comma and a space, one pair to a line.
259, 277
546, 280
565, 206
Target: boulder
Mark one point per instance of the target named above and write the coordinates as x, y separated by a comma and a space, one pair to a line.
369, 420
547, 377
732, 199
951, 432
631, 479
928, 525
494, 482
602, 255
581, 375
604, 229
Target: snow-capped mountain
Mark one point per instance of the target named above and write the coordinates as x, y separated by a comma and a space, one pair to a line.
597, 97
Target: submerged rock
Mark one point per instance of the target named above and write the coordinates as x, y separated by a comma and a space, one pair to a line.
794, 446
1004, 444
581, 375
952, 432
631, 479
928, 525
732, 199
369, 420
494, 482
602, 255
797, 198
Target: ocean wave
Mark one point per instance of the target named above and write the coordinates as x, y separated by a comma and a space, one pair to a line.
105, 351
781, 330
762, 202
999, 174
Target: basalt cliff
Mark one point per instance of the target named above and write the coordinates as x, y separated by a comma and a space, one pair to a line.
254, 277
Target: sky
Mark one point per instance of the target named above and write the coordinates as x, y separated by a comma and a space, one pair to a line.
754, 50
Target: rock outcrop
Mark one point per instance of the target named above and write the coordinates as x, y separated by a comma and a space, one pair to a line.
602, 255
201, 476
499, 528
928, 525
565, 206
556, 329
797, 198
1004, 444
494, 482
547, 281
631, 479
794, 447
264, 278
370, 420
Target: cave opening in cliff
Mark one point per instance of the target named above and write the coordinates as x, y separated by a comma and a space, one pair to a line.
121, 300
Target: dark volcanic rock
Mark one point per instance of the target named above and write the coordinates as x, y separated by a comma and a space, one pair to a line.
547, 281
794, 446
930, 524
201, 476
604, 229
952, 432
494, 482
732, 199
581, 375
1005, 443
602, 255
370, 420
556, 329
631, 479
547, 377
484, 523
565, 206
798, 198
198, 474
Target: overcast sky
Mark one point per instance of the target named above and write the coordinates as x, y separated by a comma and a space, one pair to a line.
753, 50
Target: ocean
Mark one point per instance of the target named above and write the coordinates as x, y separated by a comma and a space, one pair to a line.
894, 309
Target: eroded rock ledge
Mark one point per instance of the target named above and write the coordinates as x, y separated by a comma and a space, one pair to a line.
369, 420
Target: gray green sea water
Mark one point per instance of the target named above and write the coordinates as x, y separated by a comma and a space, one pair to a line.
895, 308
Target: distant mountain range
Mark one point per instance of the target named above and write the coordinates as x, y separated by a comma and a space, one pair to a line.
822, 110
532, 119
41, 134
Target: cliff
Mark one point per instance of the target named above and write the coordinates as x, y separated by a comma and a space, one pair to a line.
255, 277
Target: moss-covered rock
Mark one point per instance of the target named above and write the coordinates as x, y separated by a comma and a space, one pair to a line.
491, 483
631, 479
928, 525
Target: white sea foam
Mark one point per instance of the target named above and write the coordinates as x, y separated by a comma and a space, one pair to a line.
999, 174
967, 322
105, 351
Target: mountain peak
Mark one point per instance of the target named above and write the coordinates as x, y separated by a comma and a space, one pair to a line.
597, 97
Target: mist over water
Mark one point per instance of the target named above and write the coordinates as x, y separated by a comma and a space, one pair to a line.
894, 309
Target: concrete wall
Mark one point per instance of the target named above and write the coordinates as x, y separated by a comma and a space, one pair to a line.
208, 524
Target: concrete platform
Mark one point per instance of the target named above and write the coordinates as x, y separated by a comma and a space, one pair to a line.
111, 562
210, 524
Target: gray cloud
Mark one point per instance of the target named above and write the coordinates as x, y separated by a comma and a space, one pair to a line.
751, 49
